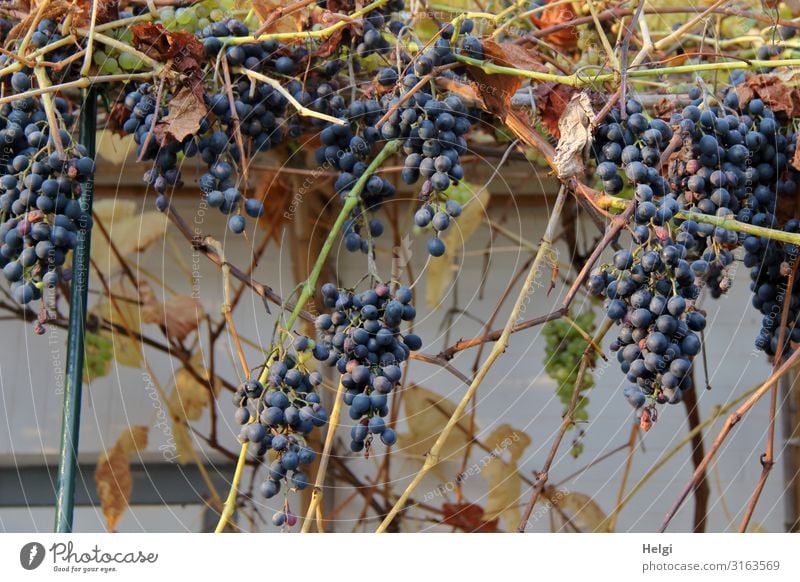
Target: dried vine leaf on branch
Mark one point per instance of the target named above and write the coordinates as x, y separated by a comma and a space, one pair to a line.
113, 474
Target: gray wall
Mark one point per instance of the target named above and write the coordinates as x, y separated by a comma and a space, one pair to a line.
517, 391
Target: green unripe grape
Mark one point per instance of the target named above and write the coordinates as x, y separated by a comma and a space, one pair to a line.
216, 15
186, 18
129, 62
99, 57
202, 23
110, 67
201, 10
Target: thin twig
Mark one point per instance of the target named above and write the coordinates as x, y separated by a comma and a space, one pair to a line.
768, 458
732, 420
316, 495
301, 109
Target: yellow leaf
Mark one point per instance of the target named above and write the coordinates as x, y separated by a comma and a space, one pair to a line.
427, 413
581, 510
114, 148
183, 442
442, 269
131, 232
124, 312
113, 474
506, 438
134, 439
505, 490
503, 478
189, 396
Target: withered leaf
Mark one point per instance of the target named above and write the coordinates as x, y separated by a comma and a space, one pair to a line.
182, 315
183, 48
773, 92
186, 112
495, 90
113, 474
576, 134
272, 16
107, 11
565, 38
55, 10
796, 158
467, 517
551, 102
582, 511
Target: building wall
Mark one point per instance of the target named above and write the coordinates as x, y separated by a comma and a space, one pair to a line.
517, 391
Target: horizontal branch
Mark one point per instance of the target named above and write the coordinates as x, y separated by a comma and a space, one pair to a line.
615, 203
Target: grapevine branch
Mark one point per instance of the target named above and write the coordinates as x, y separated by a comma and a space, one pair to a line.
768, 459
732, 420
316, 495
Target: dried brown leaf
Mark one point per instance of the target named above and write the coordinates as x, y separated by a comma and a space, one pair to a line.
114, 486
503, 478
134, 439
184, 49
186, 111
269, 12
182, 315
566, 38
576, 135
107, 11
495, 90
124, 313
113, 474
551, 101
772, 90
183, 441
519, 55
131, 232
507, 438
55, 10
467, 517
505, 491
796, 158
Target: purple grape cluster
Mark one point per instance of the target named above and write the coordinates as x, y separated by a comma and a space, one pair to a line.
363, 341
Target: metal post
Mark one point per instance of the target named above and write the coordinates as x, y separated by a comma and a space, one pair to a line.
71, 411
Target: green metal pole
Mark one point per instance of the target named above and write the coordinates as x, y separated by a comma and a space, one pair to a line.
71, 411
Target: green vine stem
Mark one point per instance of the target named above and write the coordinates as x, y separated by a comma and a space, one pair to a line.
617, 204
308, 34
577, 80
432, 459
309, 286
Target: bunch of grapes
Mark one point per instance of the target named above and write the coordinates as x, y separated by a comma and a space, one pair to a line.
39, 205
198, 16
736, 165
279, 414
362, 339
565, 346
